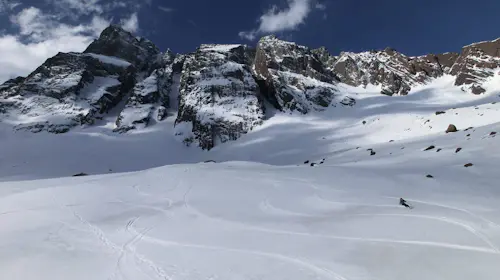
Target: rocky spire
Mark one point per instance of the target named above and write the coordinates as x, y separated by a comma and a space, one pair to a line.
115, 41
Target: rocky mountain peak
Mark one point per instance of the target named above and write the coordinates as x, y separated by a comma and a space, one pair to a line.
395, 72
476, 65
116, 42
219, 92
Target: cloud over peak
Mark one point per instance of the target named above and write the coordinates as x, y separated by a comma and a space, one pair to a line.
37, 33
278, 20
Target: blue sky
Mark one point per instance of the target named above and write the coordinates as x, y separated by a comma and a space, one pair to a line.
33, 30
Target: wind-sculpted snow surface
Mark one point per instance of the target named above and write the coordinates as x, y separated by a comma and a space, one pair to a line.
248, 221
323, 203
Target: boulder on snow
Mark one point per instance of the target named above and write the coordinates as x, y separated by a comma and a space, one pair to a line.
468, 165
451, 128
429, 176
80, 174
430, 148
493, 133
458, 150
440, 113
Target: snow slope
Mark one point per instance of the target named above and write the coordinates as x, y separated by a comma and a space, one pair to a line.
260, 212
246, 221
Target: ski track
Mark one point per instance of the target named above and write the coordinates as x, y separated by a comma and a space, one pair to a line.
354, 239
319, 197
318, 270
489, 222
446, 220
121, 250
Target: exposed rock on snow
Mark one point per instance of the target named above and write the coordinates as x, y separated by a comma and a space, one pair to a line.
451, 128
292, 77
477, 63
218, 92
150, 97
67, 90
218, 98
116, 42
393, 71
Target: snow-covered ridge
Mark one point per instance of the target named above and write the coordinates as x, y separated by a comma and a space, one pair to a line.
279, 74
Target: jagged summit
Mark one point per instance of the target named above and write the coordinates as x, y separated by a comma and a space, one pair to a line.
220, 91
115, 41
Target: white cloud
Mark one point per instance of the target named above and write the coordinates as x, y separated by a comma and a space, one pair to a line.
7, 5
131, 24
41, 36
70, 26
81, 7
276, 20
166, 9
320, 6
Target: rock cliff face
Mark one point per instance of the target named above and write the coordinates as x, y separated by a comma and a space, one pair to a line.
149, 100
217, 93
476, 64
218, 97
69, 89
116, 42
393, 71
292, 77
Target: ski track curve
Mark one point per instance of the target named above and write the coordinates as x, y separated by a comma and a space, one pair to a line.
347, 238
467, 227
318, 270
319, 197
97, 232
463, 210
270, 209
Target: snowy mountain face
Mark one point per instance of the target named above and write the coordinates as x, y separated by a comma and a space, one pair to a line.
218, 96
292, 77
326, 147
394, 72
68, 90
476, 65
219, 92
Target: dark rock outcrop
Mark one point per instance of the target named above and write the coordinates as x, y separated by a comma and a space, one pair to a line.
393, 71
476, 65
218, 92
451, 128
150, 98
218, 97
69, 89
292, 77
116, 42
